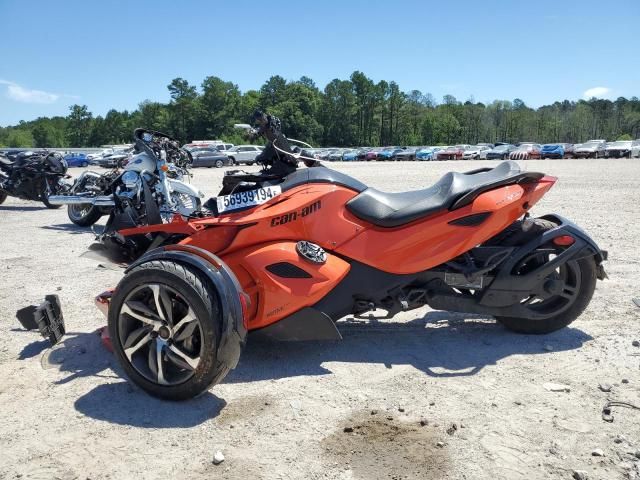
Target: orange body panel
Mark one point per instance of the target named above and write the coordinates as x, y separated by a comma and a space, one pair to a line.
429, 242
251, 240
273, 297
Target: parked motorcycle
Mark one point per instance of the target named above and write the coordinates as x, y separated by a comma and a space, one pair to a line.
289, 251
147, 189
33, 176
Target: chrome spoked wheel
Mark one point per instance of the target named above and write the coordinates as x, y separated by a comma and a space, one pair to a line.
79, 211
160, 334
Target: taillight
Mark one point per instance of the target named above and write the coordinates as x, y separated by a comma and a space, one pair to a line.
564, 241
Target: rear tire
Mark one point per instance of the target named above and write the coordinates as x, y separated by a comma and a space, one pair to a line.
219, 164
584, 270
587, 270
84, 215
150, 359
3, 196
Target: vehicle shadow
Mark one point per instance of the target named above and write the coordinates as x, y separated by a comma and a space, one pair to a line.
67, 227
18, 208
116, 400
440, 344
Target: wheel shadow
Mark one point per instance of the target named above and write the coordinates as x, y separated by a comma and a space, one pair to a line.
116, 400
440, 344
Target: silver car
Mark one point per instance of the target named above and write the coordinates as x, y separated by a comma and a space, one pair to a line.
591, 149
623, 148
244, 154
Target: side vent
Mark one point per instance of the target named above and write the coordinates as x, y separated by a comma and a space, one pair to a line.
287, 270
471, 220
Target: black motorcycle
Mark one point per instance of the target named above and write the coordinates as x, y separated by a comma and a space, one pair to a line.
33, 176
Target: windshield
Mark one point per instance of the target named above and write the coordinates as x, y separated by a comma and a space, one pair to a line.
626, 144
501, 148
590, 144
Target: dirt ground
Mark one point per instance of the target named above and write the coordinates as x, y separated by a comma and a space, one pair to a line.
380, 404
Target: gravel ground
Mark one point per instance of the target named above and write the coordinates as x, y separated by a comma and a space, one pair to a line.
67, 412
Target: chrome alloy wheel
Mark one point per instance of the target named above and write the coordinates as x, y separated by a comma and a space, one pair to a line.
160, 334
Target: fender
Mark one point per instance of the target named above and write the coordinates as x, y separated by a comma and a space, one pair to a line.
232, 298
506, 289
181, 187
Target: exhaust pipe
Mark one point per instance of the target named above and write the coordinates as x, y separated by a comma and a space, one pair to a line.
99, 201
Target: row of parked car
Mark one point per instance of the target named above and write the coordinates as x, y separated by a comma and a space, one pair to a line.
486, 151
205, 154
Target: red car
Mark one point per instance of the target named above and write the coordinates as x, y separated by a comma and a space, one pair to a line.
526, 151
452, 153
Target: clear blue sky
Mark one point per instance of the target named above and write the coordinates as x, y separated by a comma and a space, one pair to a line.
114, 54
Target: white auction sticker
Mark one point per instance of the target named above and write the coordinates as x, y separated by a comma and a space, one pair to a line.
250, 198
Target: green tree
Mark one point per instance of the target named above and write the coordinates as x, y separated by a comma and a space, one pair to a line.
78, 125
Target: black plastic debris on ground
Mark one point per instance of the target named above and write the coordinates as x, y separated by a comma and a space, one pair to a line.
47, 318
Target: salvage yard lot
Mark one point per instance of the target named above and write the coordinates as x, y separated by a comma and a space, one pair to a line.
68, 413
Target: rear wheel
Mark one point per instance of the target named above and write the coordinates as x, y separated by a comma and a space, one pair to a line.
84, 215
165, 325
219, 163
232, 161
3, 196
561, 297
84, 164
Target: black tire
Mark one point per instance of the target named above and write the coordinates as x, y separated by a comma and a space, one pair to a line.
219, 164
84, 164
583, 270
595, 155
3, 196
186, 286
84, 215
44, 197
232, 161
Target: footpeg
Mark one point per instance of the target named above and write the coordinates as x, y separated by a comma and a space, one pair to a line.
47, 318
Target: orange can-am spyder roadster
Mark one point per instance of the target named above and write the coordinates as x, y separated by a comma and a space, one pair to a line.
291, 251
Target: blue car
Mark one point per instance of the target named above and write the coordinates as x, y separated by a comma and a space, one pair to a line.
76, 159
552, 150
350, 156
427, 153
388, 152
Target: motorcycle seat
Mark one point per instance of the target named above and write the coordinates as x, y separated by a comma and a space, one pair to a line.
454, 190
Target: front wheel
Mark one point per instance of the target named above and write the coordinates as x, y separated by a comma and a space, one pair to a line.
45, 192
84, 215
219, 163
165, 326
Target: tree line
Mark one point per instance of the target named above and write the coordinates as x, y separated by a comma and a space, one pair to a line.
353, 112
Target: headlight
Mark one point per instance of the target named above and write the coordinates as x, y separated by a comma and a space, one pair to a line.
130, 179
